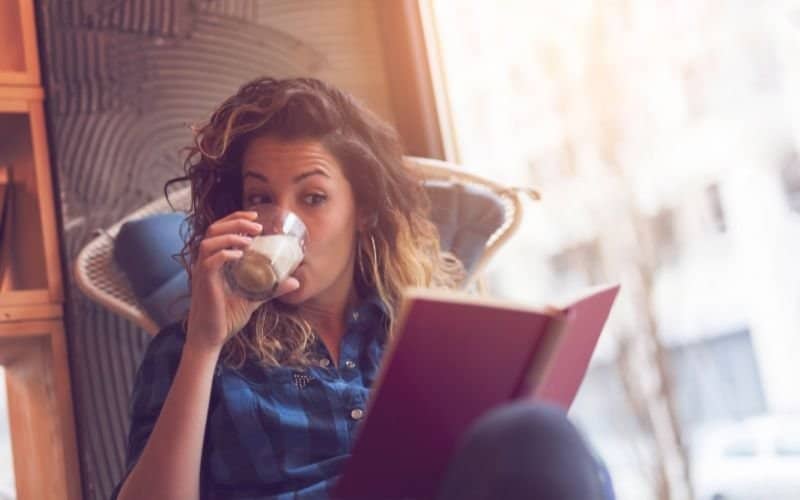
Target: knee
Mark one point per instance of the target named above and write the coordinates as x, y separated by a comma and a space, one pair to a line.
532, 428
524, 450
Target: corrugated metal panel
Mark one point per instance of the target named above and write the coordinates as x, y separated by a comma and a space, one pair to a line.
146, 17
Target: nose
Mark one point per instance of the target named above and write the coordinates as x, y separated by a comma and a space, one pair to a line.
270, 216
279, 218
284, 204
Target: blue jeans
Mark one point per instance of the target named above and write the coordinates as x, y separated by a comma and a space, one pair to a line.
528, 451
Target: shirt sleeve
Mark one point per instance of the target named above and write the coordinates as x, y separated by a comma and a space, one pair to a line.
151, 385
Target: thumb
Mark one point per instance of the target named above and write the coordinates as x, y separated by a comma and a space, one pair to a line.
288, 285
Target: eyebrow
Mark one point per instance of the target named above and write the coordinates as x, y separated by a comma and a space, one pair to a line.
304, 175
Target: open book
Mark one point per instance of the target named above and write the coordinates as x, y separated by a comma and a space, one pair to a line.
456, 357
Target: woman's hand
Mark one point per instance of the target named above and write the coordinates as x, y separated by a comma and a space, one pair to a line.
215, 314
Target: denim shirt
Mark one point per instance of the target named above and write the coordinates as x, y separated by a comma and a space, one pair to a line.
271, 433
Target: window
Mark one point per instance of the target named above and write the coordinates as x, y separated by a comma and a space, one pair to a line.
788, 446
627, 117
662, 227
715, 208
790, 176
741, 449
695, 89
578, 265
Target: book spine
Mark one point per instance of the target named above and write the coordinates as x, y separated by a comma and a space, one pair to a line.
535, 367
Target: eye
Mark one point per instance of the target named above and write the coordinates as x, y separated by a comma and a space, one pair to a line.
314, 199
257, 199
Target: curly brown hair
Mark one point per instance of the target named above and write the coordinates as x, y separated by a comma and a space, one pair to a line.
401, 248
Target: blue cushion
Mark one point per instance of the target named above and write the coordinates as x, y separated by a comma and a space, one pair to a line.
144, 249
169, 302
466, 215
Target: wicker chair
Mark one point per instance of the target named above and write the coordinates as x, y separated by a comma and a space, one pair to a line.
99, 277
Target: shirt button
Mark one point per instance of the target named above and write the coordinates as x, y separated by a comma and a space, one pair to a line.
350, 364
324, 362
357, 414
355, 315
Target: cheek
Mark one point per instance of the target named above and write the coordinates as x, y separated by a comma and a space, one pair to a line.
330, 249
330, 236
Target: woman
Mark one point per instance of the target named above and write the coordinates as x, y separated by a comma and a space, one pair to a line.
261, 400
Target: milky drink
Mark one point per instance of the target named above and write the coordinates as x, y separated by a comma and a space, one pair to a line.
268, 260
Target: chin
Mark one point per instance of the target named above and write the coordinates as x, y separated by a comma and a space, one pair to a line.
298, 296
294, 298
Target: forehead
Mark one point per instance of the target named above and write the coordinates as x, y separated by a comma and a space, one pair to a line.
276, 159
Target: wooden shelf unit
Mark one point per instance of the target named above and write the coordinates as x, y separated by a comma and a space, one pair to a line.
32, 341
34, 356
30, 268
19, 59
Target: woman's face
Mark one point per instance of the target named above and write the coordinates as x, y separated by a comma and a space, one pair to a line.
302, 176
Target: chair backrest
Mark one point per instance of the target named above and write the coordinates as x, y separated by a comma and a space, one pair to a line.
129, 268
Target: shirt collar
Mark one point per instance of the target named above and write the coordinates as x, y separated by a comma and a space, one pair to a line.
371, 313
374, 302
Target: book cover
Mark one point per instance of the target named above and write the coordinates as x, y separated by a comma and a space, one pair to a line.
455, 357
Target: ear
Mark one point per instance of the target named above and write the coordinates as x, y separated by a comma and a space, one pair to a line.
367, 222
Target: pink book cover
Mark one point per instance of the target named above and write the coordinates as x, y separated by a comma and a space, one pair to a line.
456, 357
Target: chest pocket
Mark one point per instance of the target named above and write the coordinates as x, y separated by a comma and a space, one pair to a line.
272, 425
298, 409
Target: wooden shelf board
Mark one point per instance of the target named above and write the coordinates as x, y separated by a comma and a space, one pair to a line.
39, 296
18, 44
18, 78
21, 92
31, 312
19, 99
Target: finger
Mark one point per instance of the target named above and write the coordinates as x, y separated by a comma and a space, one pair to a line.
212, 245
240, 214
288, 285
551, 310
214, 262
238, 225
